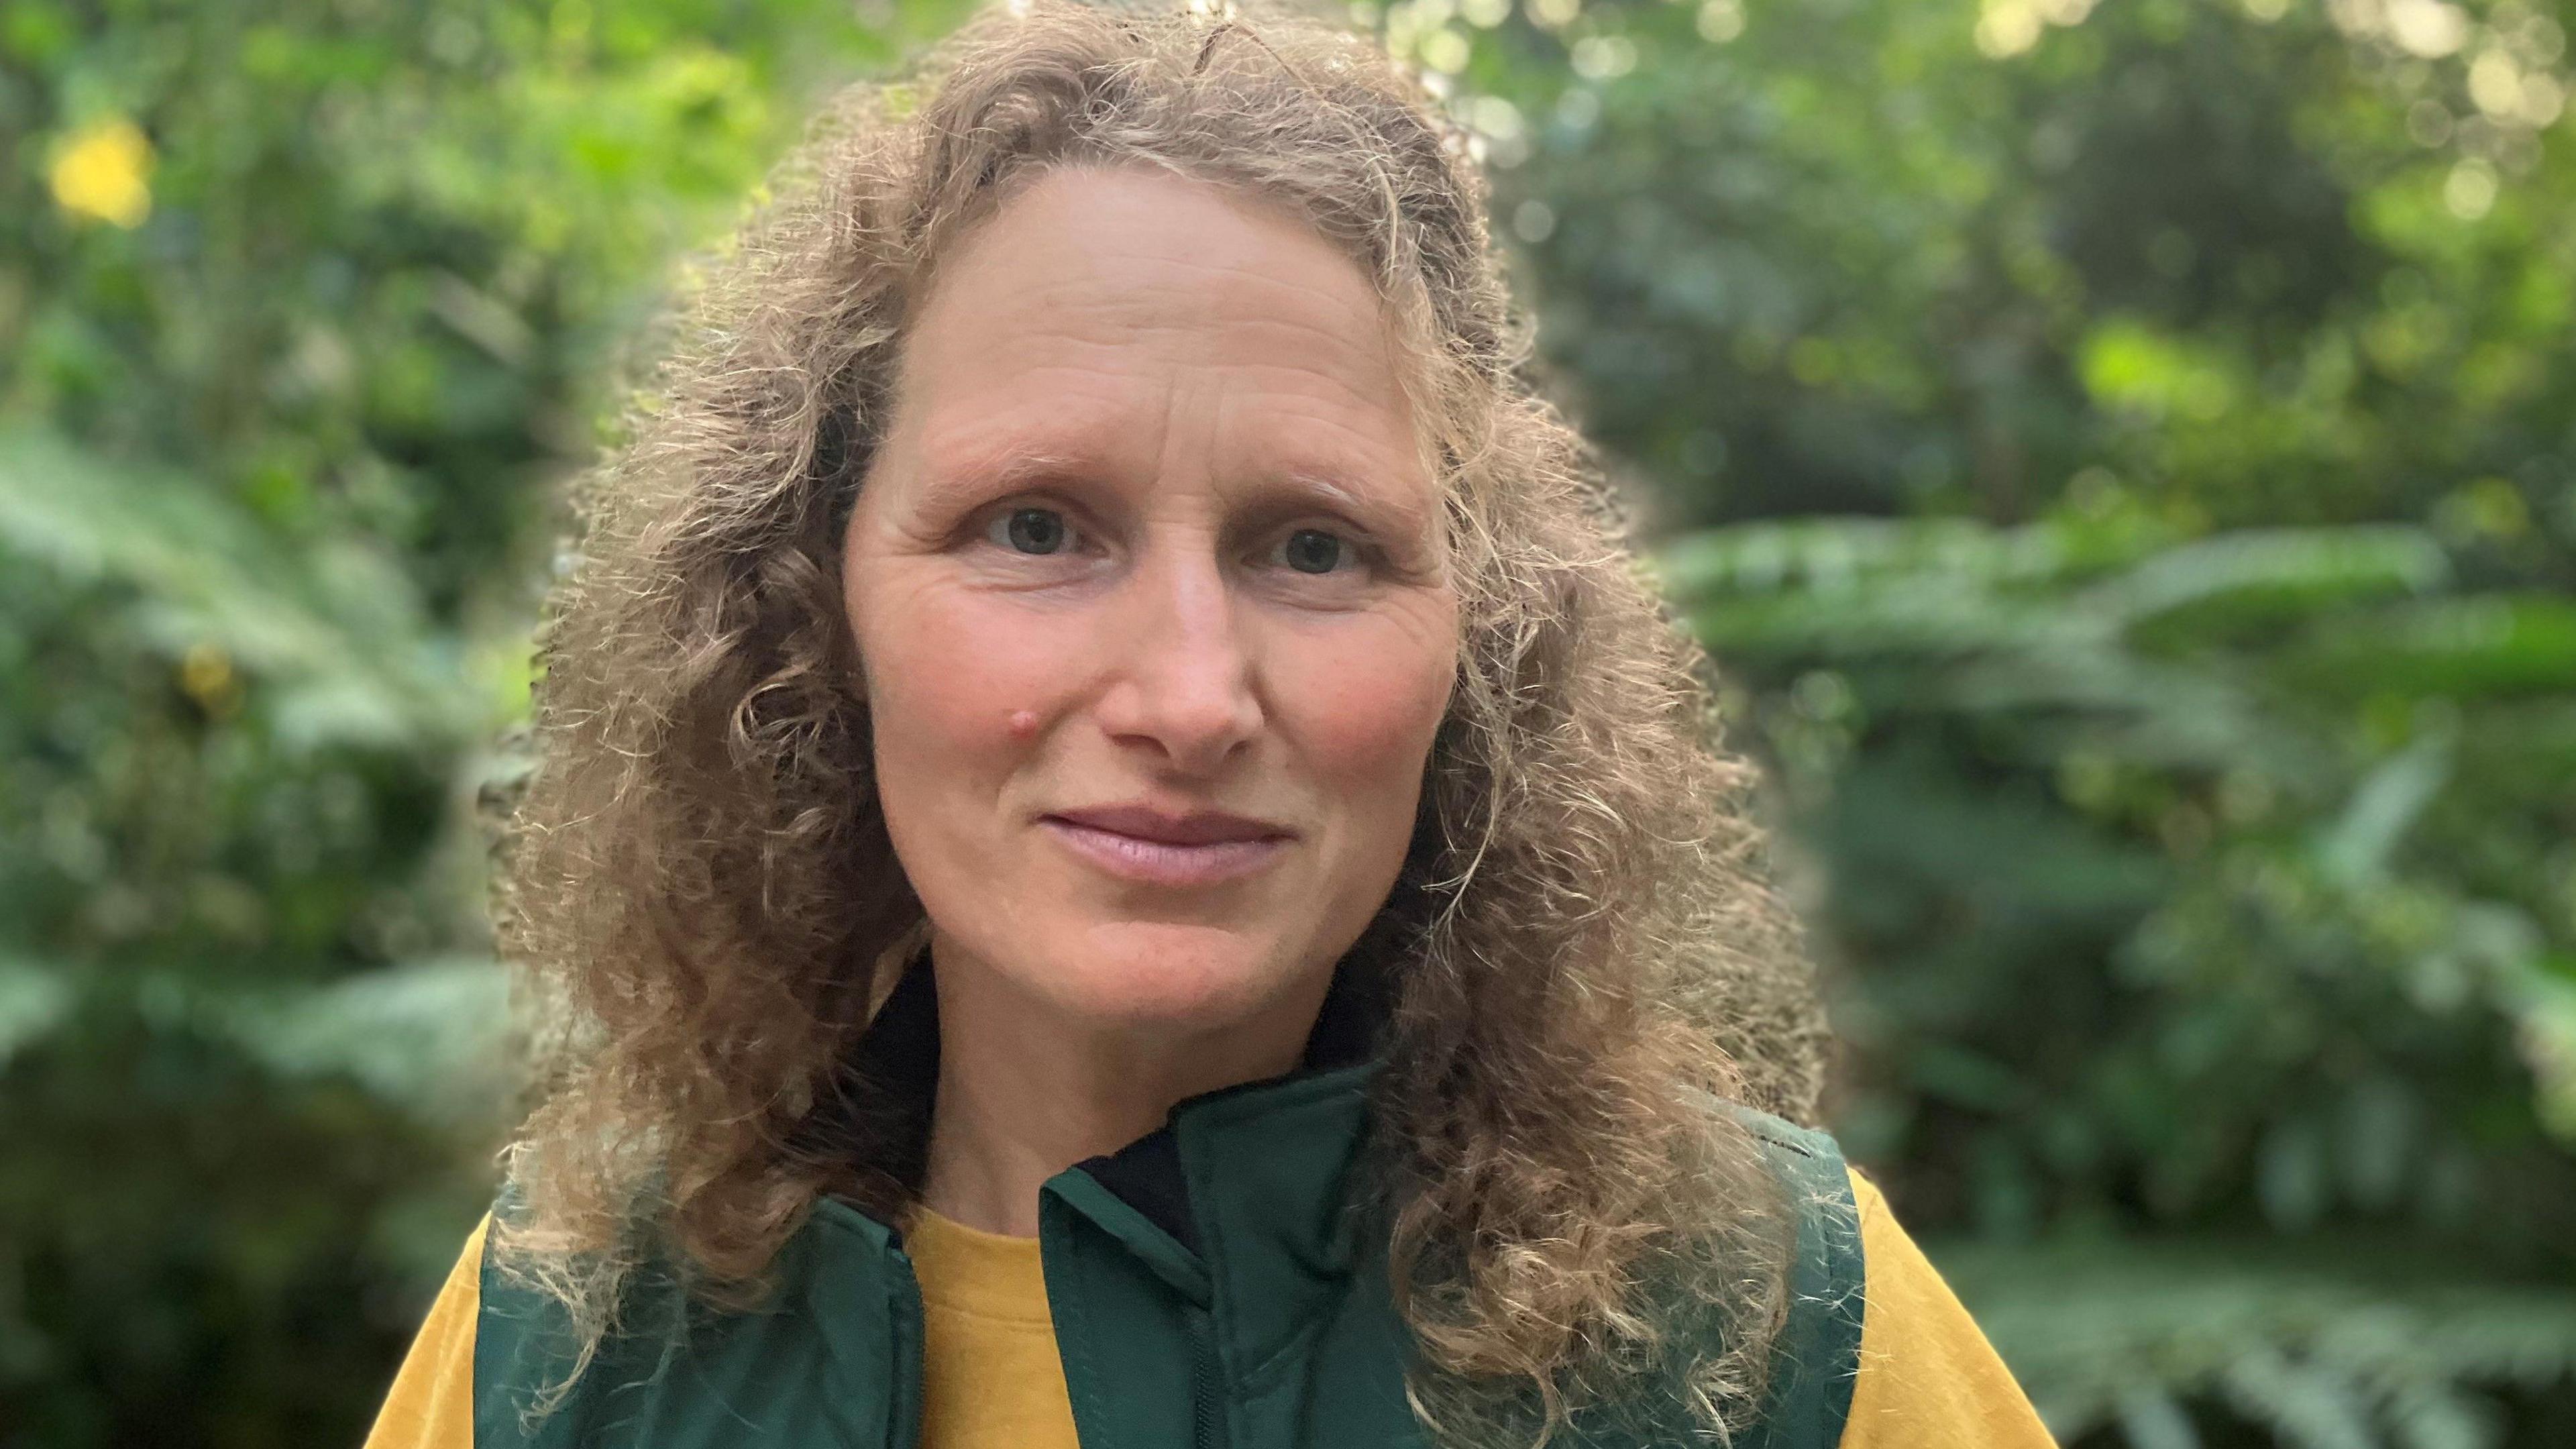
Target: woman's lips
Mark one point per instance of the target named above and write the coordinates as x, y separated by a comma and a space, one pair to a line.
1151, 848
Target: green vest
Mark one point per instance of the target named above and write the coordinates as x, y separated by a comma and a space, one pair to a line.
1208, 1290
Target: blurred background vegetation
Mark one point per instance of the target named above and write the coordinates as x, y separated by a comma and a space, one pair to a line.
2122, 457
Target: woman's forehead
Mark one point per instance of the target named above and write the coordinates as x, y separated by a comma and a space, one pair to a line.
1099, 255
1100, 302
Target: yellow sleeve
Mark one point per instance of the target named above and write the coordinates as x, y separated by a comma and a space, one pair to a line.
1928, 1379
431, 1405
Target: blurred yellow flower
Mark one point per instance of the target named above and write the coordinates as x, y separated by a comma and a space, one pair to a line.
102, 173
206, 673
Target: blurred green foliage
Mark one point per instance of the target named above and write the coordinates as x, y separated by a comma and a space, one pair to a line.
303, 305
2123, 459
2124, 462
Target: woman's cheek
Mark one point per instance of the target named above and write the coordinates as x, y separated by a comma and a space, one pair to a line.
1369, 701
957, 673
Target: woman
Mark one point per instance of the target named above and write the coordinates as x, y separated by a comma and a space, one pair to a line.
1123, 858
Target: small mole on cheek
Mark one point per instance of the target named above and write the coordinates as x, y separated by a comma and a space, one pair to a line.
1024, 724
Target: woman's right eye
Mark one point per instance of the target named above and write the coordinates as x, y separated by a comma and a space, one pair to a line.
1037, 531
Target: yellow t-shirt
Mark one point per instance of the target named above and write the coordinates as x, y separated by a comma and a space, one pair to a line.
991, 1378
1928, 1379
990, 1374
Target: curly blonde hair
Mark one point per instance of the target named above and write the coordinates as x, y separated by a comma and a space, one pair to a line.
698, 883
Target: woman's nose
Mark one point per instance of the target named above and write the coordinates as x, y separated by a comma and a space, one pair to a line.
1182, 685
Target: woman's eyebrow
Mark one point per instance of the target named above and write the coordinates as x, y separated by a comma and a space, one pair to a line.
969, 478
980, 477
1339, 489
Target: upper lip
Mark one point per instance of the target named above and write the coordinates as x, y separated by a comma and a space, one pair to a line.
1172, 827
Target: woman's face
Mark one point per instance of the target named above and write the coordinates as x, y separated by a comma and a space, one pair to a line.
1149, 583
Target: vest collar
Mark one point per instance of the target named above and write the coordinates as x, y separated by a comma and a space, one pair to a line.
1261, 1167
1242, 1204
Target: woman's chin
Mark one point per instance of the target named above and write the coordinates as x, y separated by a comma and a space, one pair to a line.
1166, 976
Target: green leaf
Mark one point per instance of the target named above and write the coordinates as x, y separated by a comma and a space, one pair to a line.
2357, 845
426, 1036
2261, 574
335, 627
2330, 1341
33, 1001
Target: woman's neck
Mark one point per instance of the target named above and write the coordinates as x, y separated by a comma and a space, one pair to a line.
1025, 1093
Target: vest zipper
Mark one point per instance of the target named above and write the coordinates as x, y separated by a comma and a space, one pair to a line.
1205, 1429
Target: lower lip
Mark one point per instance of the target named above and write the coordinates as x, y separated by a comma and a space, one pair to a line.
1161, 863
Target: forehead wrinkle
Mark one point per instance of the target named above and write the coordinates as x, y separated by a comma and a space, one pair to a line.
1339, 436
1097, 417
1083, 317
1148, 298
1134, 284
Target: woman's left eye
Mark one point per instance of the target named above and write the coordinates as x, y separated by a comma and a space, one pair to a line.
1031, 530
1313, 551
